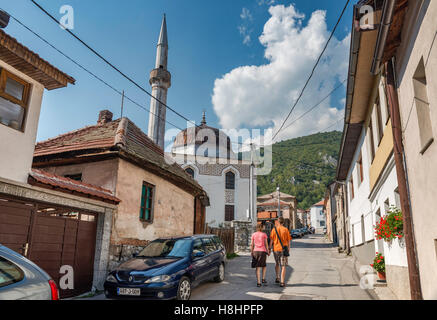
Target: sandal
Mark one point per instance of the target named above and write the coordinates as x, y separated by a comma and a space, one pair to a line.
264, 281
277, 280
258, 285
282, 285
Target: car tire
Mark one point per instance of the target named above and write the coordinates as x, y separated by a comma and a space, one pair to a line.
221, 274
184, 289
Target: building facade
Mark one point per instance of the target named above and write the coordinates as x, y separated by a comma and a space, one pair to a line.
206, 154
51, 220
157, 200
318, 216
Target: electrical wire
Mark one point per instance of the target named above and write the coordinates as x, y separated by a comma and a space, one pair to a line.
313, 70
88, 71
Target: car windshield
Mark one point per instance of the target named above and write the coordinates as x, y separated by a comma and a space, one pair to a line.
167, 249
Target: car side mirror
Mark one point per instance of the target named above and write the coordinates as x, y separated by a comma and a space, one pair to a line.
198, 254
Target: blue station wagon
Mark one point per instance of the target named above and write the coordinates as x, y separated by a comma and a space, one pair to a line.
168, 269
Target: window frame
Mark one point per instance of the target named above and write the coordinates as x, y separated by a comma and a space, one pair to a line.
227, 206
227, 184
143, 202
23, 103
17, 268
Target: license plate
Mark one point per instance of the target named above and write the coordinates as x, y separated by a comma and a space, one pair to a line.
128, 292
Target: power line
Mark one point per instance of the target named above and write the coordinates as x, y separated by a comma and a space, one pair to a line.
313, 70
87, 70
110, 64
315, 106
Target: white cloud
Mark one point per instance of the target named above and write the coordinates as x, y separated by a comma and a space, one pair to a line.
246, 15
261, 96
266, 2
245, 32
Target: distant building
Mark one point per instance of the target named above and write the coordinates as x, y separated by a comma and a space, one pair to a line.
206, 154
268, 205
318, 218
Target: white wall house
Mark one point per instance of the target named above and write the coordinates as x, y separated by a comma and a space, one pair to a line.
318, 217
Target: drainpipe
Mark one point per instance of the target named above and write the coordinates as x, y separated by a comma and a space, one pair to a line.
413, 269
386, 21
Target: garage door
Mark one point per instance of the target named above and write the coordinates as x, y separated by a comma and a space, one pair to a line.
51, 237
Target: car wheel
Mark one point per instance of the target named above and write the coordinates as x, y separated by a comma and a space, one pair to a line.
184, 289
221, 273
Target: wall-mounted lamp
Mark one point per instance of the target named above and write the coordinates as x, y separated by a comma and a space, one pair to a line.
4, 19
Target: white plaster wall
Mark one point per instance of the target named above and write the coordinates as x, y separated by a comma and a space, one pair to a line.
316, 217
418, 41
16, 147
360, 204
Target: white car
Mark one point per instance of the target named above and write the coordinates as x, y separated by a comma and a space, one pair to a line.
21, 279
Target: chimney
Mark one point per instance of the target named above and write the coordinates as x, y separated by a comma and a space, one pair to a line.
105, 116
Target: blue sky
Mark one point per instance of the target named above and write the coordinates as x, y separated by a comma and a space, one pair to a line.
205, 44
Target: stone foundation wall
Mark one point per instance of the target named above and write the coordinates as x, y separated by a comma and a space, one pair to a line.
398, 281
243, 233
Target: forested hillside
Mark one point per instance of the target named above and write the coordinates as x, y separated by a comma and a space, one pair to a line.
303, 167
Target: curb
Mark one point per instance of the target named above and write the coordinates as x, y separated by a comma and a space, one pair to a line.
370, 292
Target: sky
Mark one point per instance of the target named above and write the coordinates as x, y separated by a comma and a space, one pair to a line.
242, 61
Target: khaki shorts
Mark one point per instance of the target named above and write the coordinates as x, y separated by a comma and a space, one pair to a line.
280, 259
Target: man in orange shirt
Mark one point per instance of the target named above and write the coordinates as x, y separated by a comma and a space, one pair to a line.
278, 252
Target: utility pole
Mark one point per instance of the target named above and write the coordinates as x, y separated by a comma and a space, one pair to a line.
415, 286
279, 201
251, 191
122, 104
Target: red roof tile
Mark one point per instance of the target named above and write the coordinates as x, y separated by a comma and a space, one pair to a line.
38, 177
120, 135
319, 204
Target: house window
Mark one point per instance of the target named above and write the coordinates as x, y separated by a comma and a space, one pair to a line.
351, 186
372, 141
147, 194
14, 93
363, 230
190, 172
360, 170
379, 119
230, 181
422, 107
229, 213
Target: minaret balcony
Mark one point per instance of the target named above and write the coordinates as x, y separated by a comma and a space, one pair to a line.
160, 75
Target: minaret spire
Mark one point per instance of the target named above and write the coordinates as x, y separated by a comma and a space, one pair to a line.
160, 80
203, 118
162, 52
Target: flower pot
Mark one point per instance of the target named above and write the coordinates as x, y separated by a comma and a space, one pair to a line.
381, 276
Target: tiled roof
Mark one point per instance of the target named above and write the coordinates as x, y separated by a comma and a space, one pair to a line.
38, 177
319, 204
272, 203
274, 195
121, 136
23, 59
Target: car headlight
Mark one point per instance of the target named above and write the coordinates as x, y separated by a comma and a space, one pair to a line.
111, 278
156, 279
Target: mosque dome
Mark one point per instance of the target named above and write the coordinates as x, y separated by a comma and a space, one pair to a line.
212, 140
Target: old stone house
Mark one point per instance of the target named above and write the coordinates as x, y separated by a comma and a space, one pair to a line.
267, 208
158, 199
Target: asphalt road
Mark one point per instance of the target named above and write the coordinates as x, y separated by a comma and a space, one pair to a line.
316, 272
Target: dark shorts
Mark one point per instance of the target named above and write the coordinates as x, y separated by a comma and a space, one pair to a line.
260, 258
280, 259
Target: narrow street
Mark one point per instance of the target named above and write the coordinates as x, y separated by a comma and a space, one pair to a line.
316, 272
